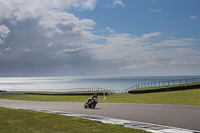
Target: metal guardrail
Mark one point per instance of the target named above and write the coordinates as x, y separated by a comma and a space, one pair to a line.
164, 83
66, 90
88, 89
12, 93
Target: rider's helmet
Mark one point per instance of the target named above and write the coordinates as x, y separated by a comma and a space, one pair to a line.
95, 95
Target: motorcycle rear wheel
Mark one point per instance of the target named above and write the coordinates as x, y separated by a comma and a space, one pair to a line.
93, 106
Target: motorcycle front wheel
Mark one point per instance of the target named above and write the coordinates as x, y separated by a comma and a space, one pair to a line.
85, 105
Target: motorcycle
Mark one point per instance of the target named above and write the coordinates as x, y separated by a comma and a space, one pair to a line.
91, 103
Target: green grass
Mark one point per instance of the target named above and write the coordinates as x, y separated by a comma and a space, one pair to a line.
184, 97
23, 121
47, 98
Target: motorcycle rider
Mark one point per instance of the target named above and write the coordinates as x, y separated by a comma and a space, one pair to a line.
94, 97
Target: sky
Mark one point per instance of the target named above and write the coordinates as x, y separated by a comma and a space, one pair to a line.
99, 37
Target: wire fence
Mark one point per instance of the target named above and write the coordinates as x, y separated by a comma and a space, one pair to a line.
164, 83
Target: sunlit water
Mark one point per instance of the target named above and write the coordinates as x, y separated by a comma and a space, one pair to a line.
61, 84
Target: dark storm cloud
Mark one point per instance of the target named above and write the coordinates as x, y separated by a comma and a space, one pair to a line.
26, 51
65, 28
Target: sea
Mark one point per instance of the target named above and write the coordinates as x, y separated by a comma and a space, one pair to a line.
63, 84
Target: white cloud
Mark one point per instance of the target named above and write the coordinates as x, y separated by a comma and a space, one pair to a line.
121, 46
51, 16
118, 2
193, 17
115, 3
172, 37
7, 49
50, 44
173, 62
4, 31
131, 67
89, 4
70, 50
62, 22
133, 53
110, 30
75, 4
22, 9
26, 49
67, 52
177, 42
155, 10
151, 35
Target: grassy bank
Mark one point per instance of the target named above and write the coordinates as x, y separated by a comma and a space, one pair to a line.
184, 97
170, 86
23, 121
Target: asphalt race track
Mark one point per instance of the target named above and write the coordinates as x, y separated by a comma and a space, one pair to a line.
181, 116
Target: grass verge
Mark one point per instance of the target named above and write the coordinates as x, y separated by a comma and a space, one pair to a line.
23, 121
184, 97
